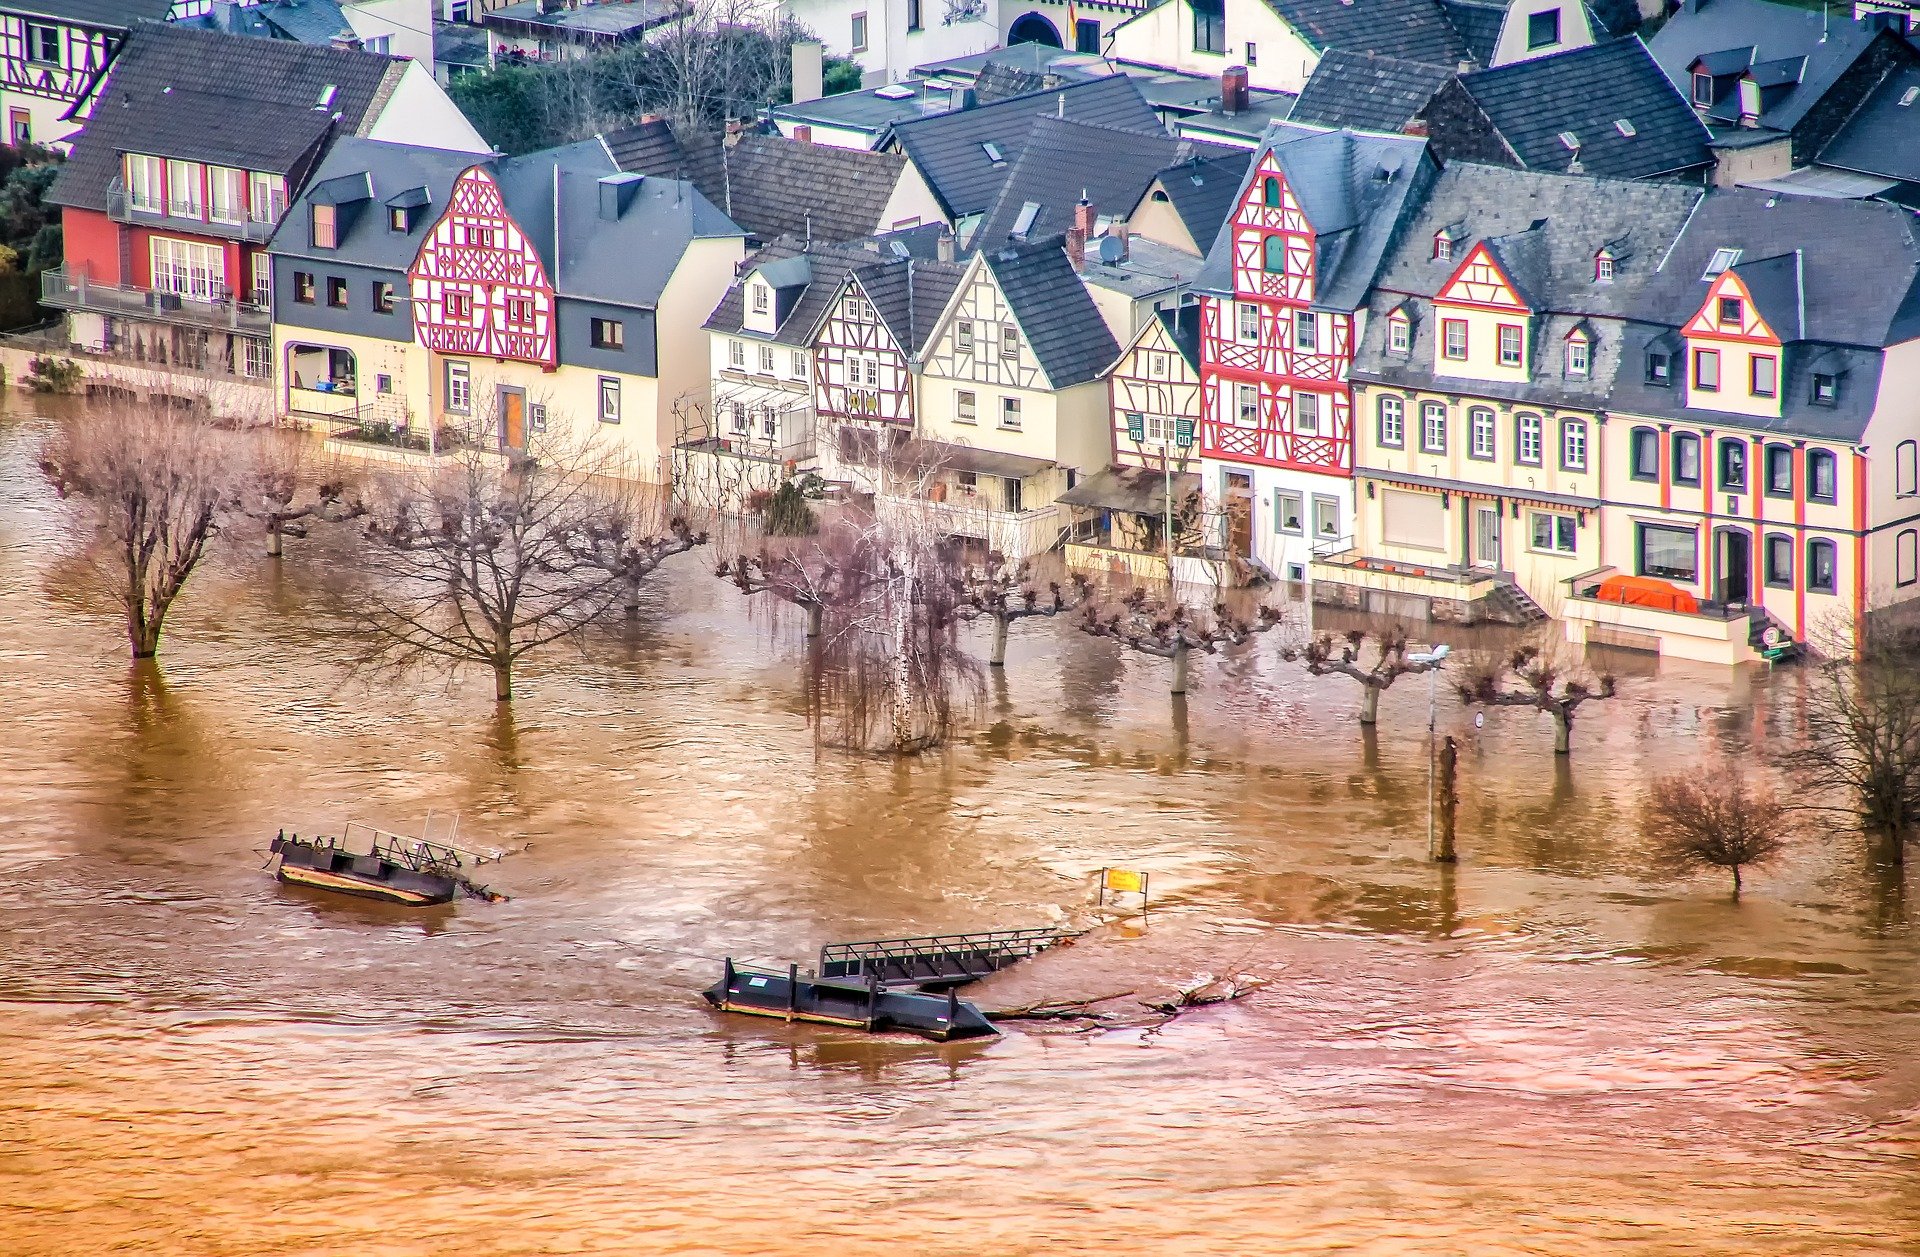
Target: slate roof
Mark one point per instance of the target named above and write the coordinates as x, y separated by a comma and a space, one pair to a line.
908, 299
1417, 30
1062, 326
770, 185
1479, 25
1183, 329
1354, 189
1755, 33
110, 15
400, 174
1883, 136
1588, 92
1201, 190
307, 21
1367, 93
202, 96
1060, 159
948, 149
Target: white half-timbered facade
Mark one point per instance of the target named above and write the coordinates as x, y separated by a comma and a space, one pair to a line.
51, 54
479, 287
862, 374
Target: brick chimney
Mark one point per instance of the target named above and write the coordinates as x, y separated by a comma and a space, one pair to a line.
1124, 235
1080, 232
803, 133
1415, 127
1233, 89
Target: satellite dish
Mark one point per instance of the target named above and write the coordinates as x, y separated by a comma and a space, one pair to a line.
1110, 250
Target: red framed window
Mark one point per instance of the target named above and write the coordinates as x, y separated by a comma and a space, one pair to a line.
456, 305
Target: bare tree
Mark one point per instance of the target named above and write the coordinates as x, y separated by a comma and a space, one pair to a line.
284, 489
1714, 818
833, 571
159, 486
1004, 592
1861, 750
1172, 630
1342, 655
1534, 676
483, 561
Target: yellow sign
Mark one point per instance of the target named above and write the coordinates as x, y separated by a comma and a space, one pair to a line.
1125, 880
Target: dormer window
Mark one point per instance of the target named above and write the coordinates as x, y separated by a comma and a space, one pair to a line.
1826, 389
326, 228
1543, 29
1702, 89
1659, 369
1399, 332
1731, 312
1442, 246
1579, 354
1603, 267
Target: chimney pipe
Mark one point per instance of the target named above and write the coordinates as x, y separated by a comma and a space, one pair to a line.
1233, 90
809, 73
943, 248
1124, 235
1415, 127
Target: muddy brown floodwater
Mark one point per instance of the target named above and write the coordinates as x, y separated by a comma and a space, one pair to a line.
1547, 1051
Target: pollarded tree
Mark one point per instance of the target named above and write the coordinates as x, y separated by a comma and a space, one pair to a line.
830, 570
1343, 655
1171, 629
285, 491
1534, 676
1004, 592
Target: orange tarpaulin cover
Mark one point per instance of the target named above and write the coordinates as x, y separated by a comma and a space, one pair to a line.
1646, 591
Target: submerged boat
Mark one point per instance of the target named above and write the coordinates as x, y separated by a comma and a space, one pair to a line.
395, 868
860, 1003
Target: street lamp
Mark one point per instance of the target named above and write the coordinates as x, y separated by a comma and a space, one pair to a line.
1431, 660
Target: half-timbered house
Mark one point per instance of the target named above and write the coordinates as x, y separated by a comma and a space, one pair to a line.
195, 143
1283, 294
52, 52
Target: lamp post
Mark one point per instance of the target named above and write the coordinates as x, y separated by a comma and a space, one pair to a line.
1432, 659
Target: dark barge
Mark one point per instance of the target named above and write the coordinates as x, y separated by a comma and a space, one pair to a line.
395, 869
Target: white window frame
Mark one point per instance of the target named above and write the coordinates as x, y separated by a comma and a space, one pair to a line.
1282, 499
1399, 333
266, 197
226, 194
1561, 528
1306, 413
1247, 311
146, 188
1390, 413
185, 176
1433, 427
966, 406
188, 268
609, 399
1242, 392
1482, 441
1010, 416
737, 354
1579, 355
1530, 440
766, 359
459, 379
1573, 444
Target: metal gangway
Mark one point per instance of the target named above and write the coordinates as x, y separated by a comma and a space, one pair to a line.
937, 959
423, 855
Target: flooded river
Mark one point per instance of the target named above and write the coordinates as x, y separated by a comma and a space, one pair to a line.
1550, 1050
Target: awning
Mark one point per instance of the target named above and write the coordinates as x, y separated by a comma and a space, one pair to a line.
1138, 490
1467, 489
951, 457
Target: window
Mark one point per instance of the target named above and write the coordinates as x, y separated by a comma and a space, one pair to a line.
1731, 310
1454, 334
1779, 560
1399, 333
399, 220
377, 44
1543, 29
183, 189
966, 407
1702, 89
1159, 364
519, 311
189, 269
1906, 557
1480, 433
1392, 413
261, 294
326, 227
256, 358
1270, 192
1273, 254
1442, 247
1554, 533
1573, 444
1326, 516
963, 336
1249, 321
913, 15
1706, 370
476, 236
1010, 413
336, 292
1306, 413
1721, 260
382, 382
737, 418
227, 190
859, 33
1733, 464
1249, 405
1509, 345
1659, 369
303, 287
1009, 341
1823, 563
766, 359
609, 399
737, 355
762, 299
858, 310
1686, 458
1210, 26
1579, 354
1528, 440
1826, 389
457, 305
1305, 330
1253, 53
43, 44
1413, 519
143, 183
1779, 471
266, 197
459, 388
1433, 428
1644, 454
1906, 469
1289, 511
1668, 553
1823, 478
1603, 267
607, 333
1762, 375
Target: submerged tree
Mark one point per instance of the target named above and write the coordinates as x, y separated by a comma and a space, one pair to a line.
1172, 630
1862, 744
1714, 819
159, 486
1533, 676
1004, 592
1342, 655
810, 575
482, 562
285, 492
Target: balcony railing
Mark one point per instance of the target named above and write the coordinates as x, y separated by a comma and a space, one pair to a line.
64, 290
183, 216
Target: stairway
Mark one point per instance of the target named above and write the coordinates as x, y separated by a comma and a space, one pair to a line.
1511, 604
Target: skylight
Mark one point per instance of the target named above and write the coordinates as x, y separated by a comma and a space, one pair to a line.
1722, 259
1571, 141
894, 91
1909, 96
1028, 212
993, 152
1625, 127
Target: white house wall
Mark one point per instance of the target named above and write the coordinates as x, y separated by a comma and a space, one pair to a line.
1164, 36
420, 112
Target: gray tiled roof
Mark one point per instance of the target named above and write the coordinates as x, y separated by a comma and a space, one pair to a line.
1417, 30
1062, 325
1588, 93
112, 15
1883, 136
948, 149
307, 21
392, 173
1754, 32
1200, 190
1354, 189
1856, 373
908, 298
202, 96
1183, 329
1367, 92
1479, 23
909, 295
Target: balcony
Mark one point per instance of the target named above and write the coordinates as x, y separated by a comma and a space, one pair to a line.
1344, 577
192, 219
1712, 633
64, 290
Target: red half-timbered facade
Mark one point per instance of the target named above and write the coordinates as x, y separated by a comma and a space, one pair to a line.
478, 285
860, 371
1274, 369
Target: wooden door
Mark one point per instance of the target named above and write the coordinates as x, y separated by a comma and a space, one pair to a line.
513, 420
1239, 495
1486, 535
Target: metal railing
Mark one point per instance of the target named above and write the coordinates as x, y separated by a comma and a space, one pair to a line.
935, 957
122, 208
67, 291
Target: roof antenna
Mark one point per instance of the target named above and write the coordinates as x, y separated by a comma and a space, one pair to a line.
1060, 105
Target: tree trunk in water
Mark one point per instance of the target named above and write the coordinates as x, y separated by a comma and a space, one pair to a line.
633, 600
814, 613
900, 673
1369, 704
1562, 732
999, 659
503, 676
1736, 881
1180, 669
1449, 801
273, 539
